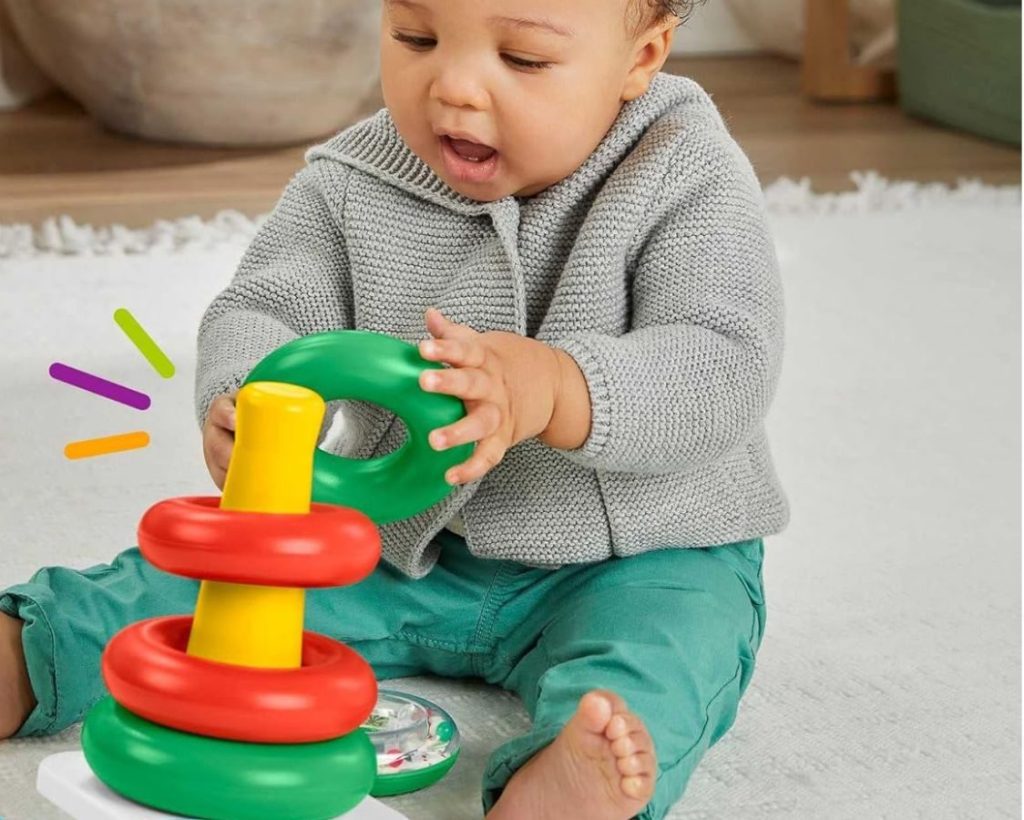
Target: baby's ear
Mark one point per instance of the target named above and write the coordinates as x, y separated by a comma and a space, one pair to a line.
653, 47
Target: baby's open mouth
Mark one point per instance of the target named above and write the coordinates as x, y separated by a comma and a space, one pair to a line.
471, 151
468, 161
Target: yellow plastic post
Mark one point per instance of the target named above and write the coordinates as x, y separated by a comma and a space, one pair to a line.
271, 471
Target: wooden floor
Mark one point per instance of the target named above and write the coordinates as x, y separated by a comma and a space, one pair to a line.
54, 159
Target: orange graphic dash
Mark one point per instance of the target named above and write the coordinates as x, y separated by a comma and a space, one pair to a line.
104, 446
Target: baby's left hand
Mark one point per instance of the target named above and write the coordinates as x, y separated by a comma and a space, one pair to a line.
509, 384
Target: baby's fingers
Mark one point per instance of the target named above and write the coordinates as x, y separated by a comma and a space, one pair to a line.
222, 412
485, 458
217, 451
456, 352
466, 383
481, 422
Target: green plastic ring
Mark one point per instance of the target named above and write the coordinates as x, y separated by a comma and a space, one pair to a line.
372, 367
220, 779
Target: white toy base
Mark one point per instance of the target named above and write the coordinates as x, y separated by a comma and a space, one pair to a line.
66, 780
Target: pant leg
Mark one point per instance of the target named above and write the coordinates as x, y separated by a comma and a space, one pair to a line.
405, 627
674, 632
70, 615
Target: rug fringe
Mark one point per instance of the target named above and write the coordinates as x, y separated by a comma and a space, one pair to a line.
62, 235
873, 192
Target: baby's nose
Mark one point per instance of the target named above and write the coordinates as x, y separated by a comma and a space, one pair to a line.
459, 87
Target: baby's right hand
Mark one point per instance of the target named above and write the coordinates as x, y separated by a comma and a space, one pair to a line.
219, 437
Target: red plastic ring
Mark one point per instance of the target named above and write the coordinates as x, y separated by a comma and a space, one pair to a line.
147, 670
192, 536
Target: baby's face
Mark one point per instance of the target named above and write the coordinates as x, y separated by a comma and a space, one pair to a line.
502, 98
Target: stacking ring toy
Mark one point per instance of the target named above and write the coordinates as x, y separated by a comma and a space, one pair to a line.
237, 712
364, 366
206, 777
192, 536
148, 672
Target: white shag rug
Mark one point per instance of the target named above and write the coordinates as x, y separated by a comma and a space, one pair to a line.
888, 683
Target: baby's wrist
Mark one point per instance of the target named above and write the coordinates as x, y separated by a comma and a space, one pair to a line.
569, 425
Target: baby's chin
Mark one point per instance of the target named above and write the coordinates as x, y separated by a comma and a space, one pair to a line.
490, 191
494, 191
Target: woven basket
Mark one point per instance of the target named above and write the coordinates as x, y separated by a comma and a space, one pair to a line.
220, 72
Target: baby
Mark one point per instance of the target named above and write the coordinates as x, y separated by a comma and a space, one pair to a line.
577, 237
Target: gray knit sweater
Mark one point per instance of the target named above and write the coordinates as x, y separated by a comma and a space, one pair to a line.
651, 265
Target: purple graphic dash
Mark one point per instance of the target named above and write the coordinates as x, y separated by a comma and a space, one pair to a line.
101, 387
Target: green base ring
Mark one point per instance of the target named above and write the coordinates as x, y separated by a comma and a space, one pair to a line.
392, 784
363, 366
207, 777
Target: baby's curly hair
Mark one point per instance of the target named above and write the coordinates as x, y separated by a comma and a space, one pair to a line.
645, 13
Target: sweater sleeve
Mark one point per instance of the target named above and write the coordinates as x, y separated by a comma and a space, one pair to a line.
293, 280
695, 371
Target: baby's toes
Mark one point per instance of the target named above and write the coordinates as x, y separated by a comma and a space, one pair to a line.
634, 757
635, 765
625, 745
638, 787
623, 724
594, 712
616, 700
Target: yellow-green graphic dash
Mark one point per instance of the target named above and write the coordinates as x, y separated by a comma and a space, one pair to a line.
144, 342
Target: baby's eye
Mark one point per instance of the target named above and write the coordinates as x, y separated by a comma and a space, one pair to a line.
414, 42
532, 65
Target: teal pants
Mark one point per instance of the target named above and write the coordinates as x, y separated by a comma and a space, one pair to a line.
674, 632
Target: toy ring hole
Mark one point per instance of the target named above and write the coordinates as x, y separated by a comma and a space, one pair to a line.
343, 413
395, 437
173, 633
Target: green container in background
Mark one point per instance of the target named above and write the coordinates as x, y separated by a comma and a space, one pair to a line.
960, 64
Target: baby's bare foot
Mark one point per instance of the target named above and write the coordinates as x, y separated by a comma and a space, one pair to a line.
600, 767
16, 698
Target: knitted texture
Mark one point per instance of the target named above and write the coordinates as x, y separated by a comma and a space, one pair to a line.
651, 265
